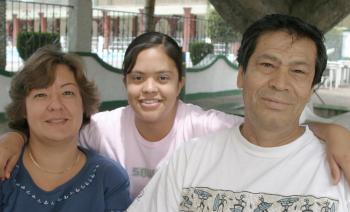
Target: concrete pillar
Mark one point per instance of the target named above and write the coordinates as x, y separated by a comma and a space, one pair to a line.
106, 29
80, 26
187, 29
116, 26
134, 26
142, 20
8, 28
16, 29
43, 22
173, 25
193, 23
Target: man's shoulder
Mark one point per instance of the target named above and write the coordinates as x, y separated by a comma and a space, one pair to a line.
211, 141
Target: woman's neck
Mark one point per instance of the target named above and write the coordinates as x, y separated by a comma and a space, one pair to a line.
55, 156
157, 130
153, 132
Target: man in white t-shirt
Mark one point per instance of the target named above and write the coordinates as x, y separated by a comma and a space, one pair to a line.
270, 162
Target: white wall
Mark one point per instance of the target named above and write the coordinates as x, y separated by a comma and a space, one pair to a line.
110, 84
4, 92
218, 77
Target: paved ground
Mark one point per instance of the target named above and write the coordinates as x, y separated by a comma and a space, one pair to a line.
228, 104
336, 97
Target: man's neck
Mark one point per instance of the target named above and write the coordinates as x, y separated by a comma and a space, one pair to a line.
270, 137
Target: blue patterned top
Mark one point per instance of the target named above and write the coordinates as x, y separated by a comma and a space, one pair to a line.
101, 185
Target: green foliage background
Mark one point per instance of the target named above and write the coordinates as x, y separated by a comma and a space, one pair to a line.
29, 42
198, 50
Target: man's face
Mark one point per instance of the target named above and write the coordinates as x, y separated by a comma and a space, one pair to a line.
278, 81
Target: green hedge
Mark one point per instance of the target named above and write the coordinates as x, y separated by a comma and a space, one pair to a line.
198, 51
29, 42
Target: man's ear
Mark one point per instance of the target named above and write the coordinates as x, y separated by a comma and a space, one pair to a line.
240, 77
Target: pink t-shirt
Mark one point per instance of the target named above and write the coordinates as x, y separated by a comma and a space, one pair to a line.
114, 135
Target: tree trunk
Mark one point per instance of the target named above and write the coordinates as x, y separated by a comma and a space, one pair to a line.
149, 16
239, 14
2, 35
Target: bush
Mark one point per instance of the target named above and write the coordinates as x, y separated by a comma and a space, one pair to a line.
29, 42
198, 50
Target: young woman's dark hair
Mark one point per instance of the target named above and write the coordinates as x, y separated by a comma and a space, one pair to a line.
150, 40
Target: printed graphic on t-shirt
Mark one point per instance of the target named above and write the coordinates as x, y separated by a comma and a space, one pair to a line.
205, 199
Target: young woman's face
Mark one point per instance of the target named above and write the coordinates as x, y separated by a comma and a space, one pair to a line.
153, 86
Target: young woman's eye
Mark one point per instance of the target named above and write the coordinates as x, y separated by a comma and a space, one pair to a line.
164, 78
136, 78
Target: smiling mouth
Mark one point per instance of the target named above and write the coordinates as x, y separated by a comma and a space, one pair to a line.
150, 103
275, 104
57, 121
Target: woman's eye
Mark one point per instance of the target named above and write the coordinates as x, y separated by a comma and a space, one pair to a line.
40, 95
68, 93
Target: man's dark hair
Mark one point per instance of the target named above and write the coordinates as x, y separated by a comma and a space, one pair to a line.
291, 25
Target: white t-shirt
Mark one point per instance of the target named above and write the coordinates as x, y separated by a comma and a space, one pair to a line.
225, 172
114, 135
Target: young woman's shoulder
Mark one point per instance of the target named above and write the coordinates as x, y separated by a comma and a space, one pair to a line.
113, 116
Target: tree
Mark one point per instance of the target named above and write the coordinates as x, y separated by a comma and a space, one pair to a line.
2, 35
149, 15
220, 32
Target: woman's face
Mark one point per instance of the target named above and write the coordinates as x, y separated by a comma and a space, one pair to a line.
55, 113
153, 86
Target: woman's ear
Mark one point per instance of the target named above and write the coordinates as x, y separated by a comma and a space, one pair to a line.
181, 85
124, 81
240, 78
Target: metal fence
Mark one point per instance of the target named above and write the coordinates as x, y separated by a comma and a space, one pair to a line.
33, 17
112, 31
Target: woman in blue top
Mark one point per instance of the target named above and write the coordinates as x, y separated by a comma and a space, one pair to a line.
51, 100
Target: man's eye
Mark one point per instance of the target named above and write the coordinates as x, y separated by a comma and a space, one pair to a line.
266, 65
297, 71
